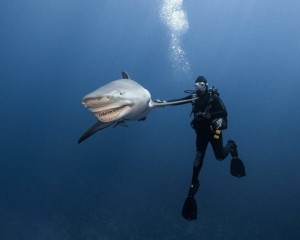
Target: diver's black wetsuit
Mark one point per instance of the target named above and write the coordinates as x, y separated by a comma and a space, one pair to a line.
208, 108
209, 104
210, 118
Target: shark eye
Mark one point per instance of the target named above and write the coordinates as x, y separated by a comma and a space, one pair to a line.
121, 93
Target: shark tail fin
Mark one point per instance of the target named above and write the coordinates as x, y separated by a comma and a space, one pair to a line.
93, 129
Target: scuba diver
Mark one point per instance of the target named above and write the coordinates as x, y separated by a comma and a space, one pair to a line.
210, 118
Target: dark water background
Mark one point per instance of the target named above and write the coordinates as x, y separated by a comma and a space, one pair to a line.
130, 183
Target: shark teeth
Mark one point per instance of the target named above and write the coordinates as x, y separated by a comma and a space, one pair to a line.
110, 114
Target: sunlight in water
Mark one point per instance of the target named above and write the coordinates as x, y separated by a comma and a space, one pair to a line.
175, 19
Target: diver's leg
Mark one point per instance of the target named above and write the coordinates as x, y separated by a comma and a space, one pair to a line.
189, 210
220, 151
201, 145
237, 168
233, 149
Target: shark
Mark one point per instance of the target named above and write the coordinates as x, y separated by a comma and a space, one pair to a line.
119, 101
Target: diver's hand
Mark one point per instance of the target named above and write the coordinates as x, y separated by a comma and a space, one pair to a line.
218, 123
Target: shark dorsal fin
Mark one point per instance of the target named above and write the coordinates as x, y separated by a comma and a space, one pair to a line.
125, 75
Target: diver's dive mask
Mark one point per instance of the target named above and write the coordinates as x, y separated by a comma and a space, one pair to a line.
200, 87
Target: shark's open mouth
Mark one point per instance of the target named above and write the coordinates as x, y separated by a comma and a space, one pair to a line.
110, 114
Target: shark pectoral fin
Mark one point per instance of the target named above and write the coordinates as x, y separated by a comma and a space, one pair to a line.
125, 75
142, 119
121, 123
93, 129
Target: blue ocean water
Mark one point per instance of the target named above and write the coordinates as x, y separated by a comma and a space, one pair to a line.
130, 183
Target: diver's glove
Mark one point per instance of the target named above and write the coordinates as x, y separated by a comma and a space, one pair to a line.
159, 101
217, 123
194, 97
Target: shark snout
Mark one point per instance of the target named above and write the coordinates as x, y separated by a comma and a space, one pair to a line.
95, 102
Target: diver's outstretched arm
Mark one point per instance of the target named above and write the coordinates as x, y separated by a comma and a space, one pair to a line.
174, 102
